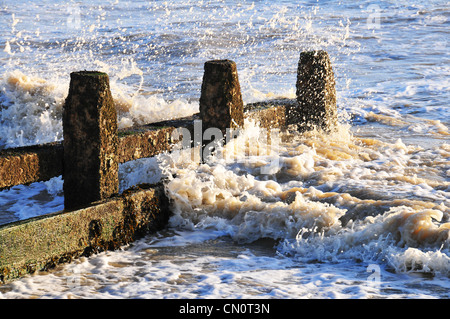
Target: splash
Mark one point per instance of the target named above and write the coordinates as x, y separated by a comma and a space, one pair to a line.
31, 109
325, 187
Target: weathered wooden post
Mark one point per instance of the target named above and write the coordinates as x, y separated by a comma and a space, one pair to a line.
316, 93
90, 140
221, 104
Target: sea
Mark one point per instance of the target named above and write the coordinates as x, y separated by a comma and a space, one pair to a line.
361, 212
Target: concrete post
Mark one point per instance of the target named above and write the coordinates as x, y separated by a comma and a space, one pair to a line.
316, 92
90, 140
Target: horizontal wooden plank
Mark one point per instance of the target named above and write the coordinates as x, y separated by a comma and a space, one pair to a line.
25, 165
43, 242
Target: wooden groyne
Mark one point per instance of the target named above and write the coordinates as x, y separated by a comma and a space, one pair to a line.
96, 217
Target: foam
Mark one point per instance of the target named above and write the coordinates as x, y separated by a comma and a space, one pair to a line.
158, 269
31, 110
248, 206
22, 202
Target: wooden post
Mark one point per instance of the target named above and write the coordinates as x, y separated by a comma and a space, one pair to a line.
221, 104
90, 140
316, 93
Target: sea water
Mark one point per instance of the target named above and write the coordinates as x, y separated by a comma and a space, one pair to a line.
361, 212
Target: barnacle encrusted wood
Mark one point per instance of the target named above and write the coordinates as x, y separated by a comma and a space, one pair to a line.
221, 104
90, 140
316, 92
42, 242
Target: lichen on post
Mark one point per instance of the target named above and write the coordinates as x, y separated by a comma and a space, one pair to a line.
90, 140
316, 92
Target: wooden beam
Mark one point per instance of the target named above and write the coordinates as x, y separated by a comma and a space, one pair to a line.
41, 243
